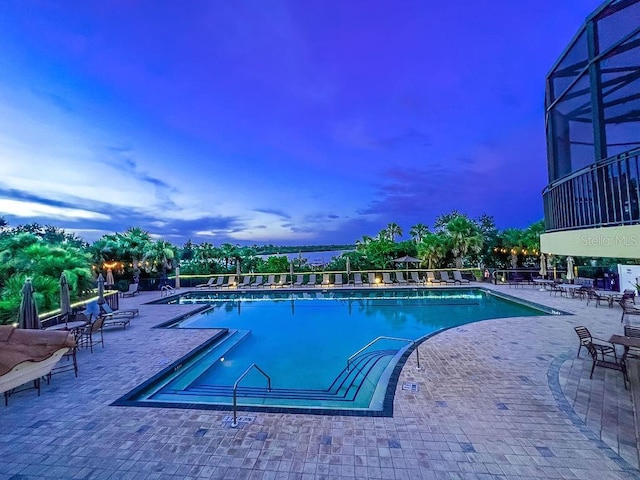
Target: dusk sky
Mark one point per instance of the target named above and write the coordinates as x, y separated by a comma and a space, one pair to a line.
285, 122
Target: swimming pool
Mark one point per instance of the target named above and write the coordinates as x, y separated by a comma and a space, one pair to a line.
310, 345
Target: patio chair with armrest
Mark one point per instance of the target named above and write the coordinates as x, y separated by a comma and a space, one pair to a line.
585, 338
634, 332
592, 295
628, 308
86, 334
605, 360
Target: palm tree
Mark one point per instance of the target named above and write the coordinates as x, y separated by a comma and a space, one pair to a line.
159, 256
362, 244
418, 231
393, 230
464, 237
432, 249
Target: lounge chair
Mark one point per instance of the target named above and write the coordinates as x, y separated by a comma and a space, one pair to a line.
415, 278
210, 283
299, 280
281, 280
258, 282
372, 278
431, 278
444, 277
339, 280
457, 278
117, 317
325, 280
386, 278
271, 281
400, 278
311, 281
246, 282
357, 279
231, 282
133, 290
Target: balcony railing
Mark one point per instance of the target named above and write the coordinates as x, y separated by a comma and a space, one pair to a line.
606, 193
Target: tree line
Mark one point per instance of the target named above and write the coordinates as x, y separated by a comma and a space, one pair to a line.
44, 252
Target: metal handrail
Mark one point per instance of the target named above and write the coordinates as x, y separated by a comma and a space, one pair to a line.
383, 337
235, 390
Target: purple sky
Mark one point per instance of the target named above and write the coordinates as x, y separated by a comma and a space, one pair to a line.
279, 122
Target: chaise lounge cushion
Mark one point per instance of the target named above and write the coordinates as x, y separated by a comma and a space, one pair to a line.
19, 345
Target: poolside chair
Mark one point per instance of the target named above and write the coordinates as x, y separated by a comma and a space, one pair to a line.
299, 280
339, 280
85, 335
604, 360
457, 278
117, 317
246, 282
311, 281
271, 281
386, 278
632, 331
210, 283
281, 280
133, 290
628, 308
258, 282
372, 278
400, 278
431, 278
584, 335
357, 279
444, 277
325, 280
415, 278
231, 282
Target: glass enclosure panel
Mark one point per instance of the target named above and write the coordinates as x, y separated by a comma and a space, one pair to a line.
612, 27
573, 63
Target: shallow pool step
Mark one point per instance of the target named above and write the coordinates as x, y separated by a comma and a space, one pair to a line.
191, 370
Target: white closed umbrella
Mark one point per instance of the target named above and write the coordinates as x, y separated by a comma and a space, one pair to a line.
291, 271
109, 281
101, 290
543, 265
177, 277
570, 263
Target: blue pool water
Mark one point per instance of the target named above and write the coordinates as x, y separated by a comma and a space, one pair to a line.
302, 340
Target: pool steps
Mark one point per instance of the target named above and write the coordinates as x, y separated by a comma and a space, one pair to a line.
364, 369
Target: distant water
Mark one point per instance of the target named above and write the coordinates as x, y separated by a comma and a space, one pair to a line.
314, 258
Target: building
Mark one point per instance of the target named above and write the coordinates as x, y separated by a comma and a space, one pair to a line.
592, 202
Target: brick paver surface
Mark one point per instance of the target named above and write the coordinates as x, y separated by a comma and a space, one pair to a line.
496, 399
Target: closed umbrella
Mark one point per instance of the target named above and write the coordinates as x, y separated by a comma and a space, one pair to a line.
543, 265
238, 269
177, 277
28, 313
348, 268
109, 281
570, 263
65, 298
101, 290
291, 271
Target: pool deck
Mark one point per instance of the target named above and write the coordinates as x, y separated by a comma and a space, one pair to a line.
498, 399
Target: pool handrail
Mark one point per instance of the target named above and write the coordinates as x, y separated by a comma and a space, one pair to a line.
384, 337
234, 423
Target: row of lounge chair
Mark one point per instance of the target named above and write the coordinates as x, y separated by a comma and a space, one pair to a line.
337, 279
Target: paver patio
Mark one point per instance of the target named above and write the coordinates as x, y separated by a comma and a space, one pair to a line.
496, 399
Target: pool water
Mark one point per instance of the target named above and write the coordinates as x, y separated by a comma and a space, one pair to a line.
303, 340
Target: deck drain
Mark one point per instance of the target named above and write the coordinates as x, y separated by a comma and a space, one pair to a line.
241, 419
410, 387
